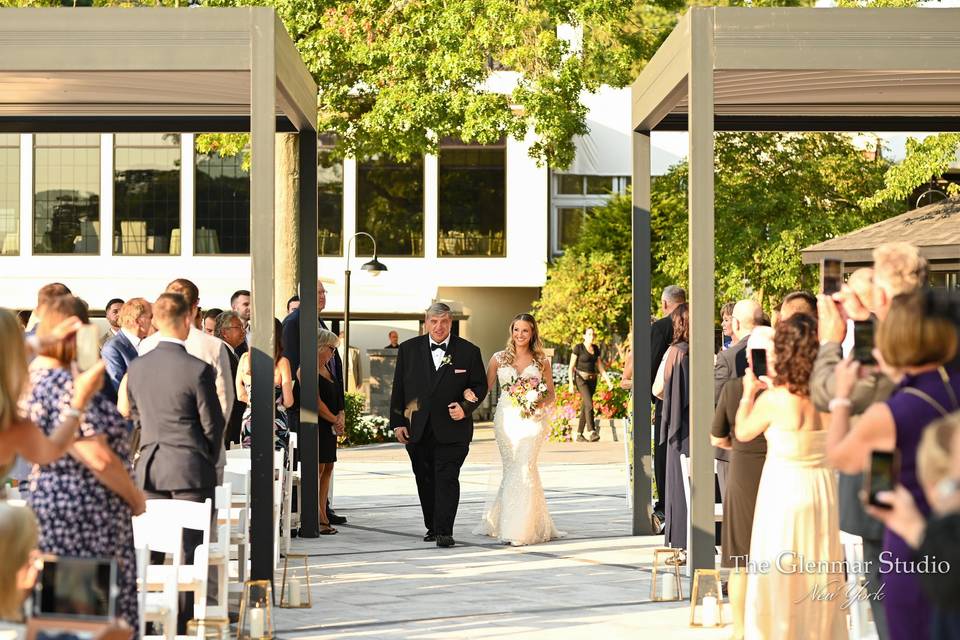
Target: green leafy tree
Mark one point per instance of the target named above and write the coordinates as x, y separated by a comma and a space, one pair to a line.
775, 194
584, 291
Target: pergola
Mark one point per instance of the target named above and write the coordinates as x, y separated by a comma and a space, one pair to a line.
190, 70
752, 69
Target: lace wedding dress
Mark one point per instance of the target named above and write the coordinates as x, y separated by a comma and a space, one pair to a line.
518, 515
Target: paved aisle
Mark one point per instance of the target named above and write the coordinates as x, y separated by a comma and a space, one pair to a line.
378, 579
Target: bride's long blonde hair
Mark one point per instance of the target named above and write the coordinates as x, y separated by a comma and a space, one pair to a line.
509, 353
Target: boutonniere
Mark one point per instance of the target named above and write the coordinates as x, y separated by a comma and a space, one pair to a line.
447, 359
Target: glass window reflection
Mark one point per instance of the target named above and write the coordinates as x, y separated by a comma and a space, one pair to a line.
66, 196
222, 205
146, 194
390, 206
472, 200
9, 194
329, 200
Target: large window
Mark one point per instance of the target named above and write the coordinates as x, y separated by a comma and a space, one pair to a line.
66, 195
572, 198
9, 194
223, 205
329, 200
390, 206
146, 183
472, 200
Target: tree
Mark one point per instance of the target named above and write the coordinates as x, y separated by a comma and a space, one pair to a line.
584, 291
775, 194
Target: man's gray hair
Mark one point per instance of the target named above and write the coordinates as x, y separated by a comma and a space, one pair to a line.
674, 295
222, 320
438, 309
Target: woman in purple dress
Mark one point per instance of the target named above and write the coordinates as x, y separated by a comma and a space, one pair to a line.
913, 347
83, 501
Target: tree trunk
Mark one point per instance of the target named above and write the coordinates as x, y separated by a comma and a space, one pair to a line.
287, 202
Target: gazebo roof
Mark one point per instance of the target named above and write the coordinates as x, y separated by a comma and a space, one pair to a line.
801, 69
145, 69
934, 229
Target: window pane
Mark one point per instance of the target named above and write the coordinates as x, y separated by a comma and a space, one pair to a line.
472, 201
390, 206
570, 184
570, 221
599, 184
223, 205
146, 194
66, 202
329, 204
9, 194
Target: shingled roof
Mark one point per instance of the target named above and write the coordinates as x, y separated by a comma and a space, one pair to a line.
934, 229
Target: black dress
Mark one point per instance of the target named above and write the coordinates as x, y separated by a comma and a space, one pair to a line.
675, 433
331, 394
743, 481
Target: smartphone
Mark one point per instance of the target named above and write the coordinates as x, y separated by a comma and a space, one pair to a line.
759, 359
88, 346
881, 476
831, 276
863, 332
82, 588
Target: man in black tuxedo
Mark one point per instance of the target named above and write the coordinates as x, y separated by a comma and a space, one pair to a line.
661, 337
730, 365
173, 397
230, 329
430, 415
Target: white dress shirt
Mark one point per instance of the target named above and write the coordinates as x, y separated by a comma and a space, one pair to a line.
134, 339
438, 354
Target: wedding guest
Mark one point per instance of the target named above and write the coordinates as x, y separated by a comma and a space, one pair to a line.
19, 436
798, 302
240, 303
746, 466
173, 396
726, 317
83, 501
675, 425
112, 313
913, 347
330, 421
796, 511
729, 365
229, 328
661, 335
282, 389
210, 321
206, 348
46, 293
135, 319
23, 316
586, 363
293, 303
394, 339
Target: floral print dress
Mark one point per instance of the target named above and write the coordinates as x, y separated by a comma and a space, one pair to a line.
78, 515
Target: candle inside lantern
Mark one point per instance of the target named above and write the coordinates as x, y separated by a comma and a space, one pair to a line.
709, 611
294, 592
669, 591
256, 622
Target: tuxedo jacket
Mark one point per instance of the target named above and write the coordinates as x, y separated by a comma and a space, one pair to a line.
173, 397
117, 354
421, 393
235, 421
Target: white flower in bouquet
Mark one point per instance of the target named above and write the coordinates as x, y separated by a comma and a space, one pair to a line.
532, 396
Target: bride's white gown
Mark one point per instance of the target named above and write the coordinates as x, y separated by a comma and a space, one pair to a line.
519, 513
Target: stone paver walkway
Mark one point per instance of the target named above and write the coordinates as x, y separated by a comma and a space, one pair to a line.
378, 579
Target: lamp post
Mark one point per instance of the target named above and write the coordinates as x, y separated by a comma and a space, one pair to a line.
374, 267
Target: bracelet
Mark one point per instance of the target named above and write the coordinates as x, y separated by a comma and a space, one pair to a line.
838, 402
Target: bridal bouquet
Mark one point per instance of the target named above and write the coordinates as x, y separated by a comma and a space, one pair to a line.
526, 394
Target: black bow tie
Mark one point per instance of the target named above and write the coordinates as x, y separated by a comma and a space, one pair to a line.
442, 347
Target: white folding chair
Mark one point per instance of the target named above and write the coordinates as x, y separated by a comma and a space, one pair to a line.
860, 626
239, 537
219, 556
291, 479
158, 590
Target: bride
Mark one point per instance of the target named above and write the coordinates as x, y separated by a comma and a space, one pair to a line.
519, 515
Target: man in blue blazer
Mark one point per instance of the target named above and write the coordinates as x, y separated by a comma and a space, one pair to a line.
120, 350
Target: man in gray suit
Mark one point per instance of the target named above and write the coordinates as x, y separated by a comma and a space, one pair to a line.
173, 397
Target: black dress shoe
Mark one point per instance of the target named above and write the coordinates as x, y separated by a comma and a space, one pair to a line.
580, 438
445, 541
335, 519
430, 537
594, 436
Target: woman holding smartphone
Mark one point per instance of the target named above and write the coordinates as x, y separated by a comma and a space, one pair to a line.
84, 501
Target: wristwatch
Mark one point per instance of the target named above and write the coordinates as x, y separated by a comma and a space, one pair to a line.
947, 487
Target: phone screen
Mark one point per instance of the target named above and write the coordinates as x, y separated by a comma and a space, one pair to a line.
88, 346
831, 273
863, 332
759, 359
76, 587
882, 476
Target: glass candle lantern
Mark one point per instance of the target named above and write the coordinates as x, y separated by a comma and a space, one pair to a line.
256, 616
706, 599
295, 588
666, 566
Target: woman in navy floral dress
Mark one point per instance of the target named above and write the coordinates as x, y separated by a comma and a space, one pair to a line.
83, 501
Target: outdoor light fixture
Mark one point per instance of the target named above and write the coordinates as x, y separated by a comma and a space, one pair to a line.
373, 267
